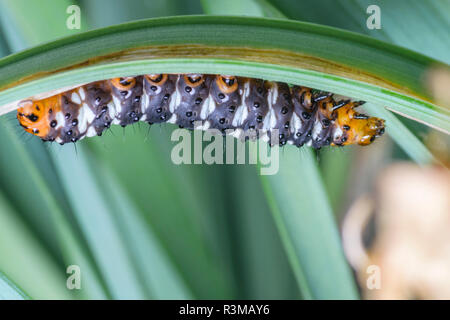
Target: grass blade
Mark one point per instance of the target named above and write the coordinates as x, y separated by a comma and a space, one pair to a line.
153, 266
171, 200
41, 279
93, 215
280, 50
262, 264
255, 8
9, 291
46, 206
306, 223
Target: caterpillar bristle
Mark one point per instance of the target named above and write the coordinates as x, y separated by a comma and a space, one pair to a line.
246, 108
340, 104
322, 95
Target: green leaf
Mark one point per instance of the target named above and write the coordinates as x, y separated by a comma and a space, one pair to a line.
122, 11
262, 266
336, 165
9, 291
22, 29
153, 266
306, 224
256, 8
45, 210
420, 25
172, 200
26, 261
299, 53
92, 213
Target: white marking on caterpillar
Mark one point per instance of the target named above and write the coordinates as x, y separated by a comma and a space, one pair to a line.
237, 120
237, 133
316, 129
246, 89
173, 119
225, 99
81, 93
204, 111
158, 89
91, 132
117, 109
274, 90
82, 119
59, 117
297, 123
206, 125
244, 114
111, 109
174, 103
198, 125
337, 132
267, 119
75, 98
211, 105
273, 119
90, 116
266, 122
128, 94
272, 99
145, 101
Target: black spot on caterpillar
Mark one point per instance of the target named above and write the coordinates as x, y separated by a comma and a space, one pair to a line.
299, 115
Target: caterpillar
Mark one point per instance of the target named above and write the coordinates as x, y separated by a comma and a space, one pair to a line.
301, 116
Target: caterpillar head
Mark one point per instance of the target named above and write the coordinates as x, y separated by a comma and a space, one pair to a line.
355, 128
33, 117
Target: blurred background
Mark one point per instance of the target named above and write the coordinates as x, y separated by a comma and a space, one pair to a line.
140, 227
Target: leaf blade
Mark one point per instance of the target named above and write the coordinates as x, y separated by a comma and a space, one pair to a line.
10, 291
304, 217
331, 59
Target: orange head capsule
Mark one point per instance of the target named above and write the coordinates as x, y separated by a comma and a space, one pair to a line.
34, 117
355, 128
